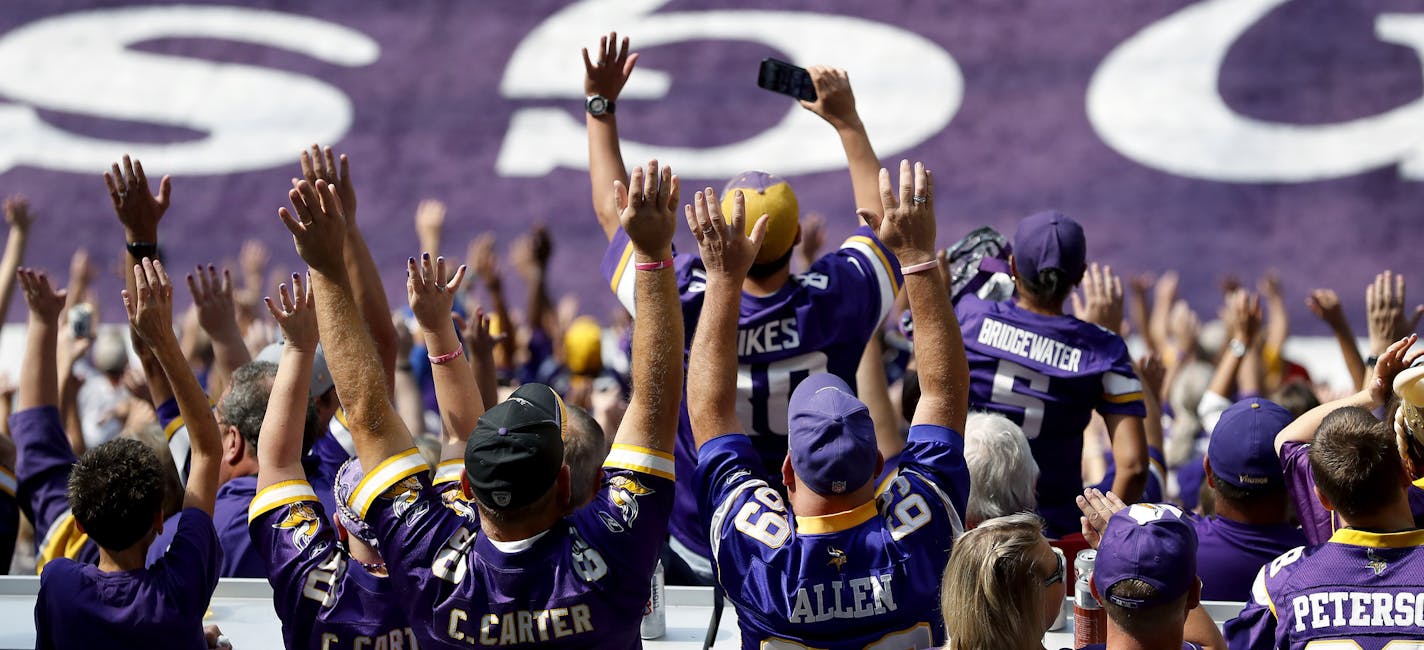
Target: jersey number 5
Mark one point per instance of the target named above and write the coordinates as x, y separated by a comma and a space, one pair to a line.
1006, 378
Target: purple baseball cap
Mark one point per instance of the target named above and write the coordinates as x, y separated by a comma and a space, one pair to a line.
831, 437
347, 477
1242, 450
1150, 542
1050, 240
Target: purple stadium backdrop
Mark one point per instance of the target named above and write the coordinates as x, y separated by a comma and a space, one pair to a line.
1205, 136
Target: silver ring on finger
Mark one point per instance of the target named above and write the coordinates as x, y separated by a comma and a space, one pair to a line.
919, 199
709, 229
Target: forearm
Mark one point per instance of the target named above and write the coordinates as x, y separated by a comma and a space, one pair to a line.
1223, 381
1142, 320
158, 388
505, 348
1251, 379
454, 382
1350, 351
356, 370
1303, 428
364, 280
409, 402
39, 376
540, 308
651, 420
69, 416
1129, 445
939, 354
1152, 423
874, 391
605, 165
9, 265
279, 452
1201, 630
482, 365
1157, 329
864, 166
197, 415
229, 353
1277, 324
712, 368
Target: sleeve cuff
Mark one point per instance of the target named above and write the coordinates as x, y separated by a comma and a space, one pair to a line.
277, 495
449, 471
391, 471
8, 484
642, 459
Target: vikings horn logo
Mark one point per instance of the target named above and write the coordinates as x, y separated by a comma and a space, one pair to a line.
1376, 563
302, 521
838, 558
457, 504
624, 493
403, 495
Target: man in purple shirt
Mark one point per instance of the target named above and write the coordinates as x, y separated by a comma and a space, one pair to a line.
1361, 588
530, 575
790, 326
1252, 524
115, 495
1048, 371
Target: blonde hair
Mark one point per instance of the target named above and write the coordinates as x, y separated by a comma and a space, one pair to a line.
992, 595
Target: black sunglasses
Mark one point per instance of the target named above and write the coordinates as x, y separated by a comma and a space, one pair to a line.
1057, 575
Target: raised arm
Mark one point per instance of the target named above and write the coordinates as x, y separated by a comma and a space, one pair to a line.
1164, 297
1100, 302
835, 103
1242, 316
430, 225
431, 289
481, 344
363, 275
727, 253
150, 311
1384, 311
318, 229
217, 315
18, 215
531, 257
606, 77
649, 215
1277, 321
874, 390
908, 230
39, 376
483, 262
140, 211
279, 448
1395, 359
1326, 306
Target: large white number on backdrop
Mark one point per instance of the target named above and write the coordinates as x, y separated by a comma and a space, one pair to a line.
252, 118
906, 87
1155, 100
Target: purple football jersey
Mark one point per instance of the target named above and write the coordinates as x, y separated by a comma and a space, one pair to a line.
9, 518
1358, 590
1047, 374
846, 580
240, 558
162, 606
1317, 522
176, 430
1229, 553
324, 598
819, 322
581, 584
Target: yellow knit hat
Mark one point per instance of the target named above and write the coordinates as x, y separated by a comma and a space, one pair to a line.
772, 196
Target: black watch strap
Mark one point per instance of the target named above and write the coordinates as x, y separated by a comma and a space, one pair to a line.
142, 249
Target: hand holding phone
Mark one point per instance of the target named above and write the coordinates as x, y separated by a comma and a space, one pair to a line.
781, 77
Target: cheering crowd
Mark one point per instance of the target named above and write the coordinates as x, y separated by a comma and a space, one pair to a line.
897, 443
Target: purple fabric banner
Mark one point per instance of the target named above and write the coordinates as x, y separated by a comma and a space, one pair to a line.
1211, 137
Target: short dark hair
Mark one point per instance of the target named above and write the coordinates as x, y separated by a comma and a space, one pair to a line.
1295, 396
584, 451
114, 492
1355, 462
768, 269
1236, 494
1050, 286
1143, 621
245, 404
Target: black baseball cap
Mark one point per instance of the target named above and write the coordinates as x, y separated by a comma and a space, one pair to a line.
517, 448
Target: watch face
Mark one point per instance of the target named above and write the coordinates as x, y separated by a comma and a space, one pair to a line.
597, 105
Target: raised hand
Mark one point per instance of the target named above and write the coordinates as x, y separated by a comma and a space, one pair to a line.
1101, 301
476, 333
151, 310
1152, 372
17, 212
253, 259
295, 313
835, 102
908, 227
483, 261
726, 249
139, 210
213, 299
610, 72
320, 164
319, 226
1097, 509
1242, 315
430, 223
432, 291
813, 237
1325, 304
1384, 309
1394, 360
647, 209
45, 303
1184, 325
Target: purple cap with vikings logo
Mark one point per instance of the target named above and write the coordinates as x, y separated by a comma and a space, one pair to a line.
1153, 543
347, 477
1050, 240
831, 437
1242, 450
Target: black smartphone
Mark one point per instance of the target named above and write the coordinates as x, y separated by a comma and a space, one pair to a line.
782, 77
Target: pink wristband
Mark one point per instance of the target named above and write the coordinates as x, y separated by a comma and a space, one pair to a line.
919, 268
446, 358
653, 266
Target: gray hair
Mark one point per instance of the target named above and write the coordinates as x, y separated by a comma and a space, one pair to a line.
1002, 471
